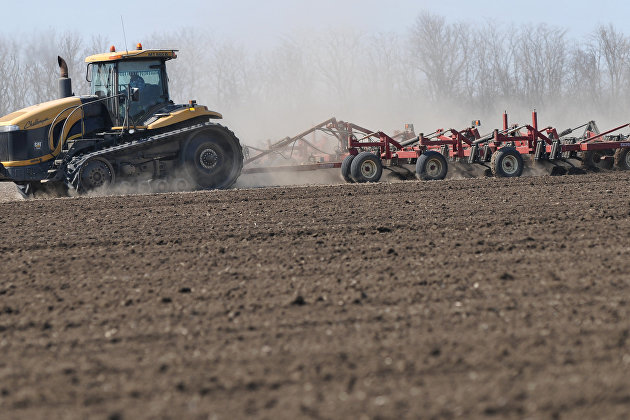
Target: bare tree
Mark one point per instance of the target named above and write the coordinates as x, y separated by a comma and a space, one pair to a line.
542, 63
614, 49
337, 63
440, 53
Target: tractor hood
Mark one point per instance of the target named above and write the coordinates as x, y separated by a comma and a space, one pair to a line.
36, 116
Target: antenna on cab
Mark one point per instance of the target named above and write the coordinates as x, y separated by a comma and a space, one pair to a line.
124, 35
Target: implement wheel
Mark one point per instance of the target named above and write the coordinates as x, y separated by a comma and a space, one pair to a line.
594, 159
507, 162
366, 167
94, 174
431, 166
212, 158
345, 168
622, 159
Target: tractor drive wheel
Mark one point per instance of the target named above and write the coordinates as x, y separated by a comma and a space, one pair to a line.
431, 166
366, 167
212, 158
622, 159
94, 174
507, 162
595, 160
345, 168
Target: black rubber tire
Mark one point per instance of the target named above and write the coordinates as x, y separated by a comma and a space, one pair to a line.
212, 158
366, 167
592, 160
94, 174
345, 168
507, 162
431, 166
622, 159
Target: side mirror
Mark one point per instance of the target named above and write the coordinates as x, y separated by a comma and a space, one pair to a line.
135, 94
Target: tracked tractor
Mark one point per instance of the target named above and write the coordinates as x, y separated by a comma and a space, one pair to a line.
127, 131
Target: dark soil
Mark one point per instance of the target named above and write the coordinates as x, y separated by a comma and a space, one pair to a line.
452, 299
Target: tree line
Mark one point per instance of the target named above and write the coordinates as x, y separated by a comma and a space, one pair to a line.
435, 67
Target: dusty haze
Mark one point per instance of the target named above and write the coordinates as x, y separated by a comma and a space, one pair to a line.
436, 73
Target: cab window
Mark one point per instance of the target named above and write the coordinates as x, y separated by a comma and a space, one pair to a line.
147, 76
102, 79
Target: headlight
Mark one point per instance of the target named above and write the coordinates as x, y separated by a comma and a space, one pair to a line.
5, 128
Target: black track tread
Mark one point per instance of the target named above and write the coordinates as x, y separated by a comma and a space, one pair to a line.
73, 167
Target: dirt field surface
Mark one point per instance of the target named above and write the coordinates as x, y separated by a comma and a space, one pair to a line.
453, 299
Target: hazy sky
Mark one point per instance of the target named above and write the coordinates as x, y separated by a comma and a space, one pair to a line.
260, 22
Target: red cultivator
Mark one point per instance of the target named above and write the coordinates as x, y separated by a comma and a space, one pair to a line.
363, 154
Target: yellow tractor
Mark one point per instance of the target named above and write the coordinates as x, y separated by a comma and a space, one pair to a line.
128, 131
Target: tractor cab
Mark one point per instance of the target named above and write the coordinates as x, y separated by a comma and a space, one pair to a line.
134, 83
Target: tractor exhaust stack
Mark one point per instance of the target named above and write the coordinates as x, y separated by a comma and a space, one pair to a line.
65, 83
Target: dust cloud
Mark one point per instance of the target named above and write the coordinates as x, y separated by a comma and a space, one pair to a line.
9, 192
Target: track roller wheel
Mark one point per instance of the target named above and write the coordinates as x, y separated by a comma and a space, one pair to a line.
345, 168
622, 159
180, 184
431, 166
594, 160
125, 187
159, 185
212, 158
507, 162
95, 173
366, 167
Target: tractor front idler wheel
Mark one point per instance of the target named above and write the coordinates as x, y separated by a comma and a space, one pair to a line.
507, 162
366, 167
345, 168
431, 166
96, 173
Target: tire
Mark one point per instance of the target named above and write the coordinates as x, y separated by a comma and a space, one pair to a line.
507, 162
345, 168
94, 174
622, 159
212, 158
592, 160
431, 166
366, 167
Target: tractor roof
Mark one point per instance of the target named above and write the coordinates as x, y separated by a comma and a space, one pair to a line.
133, 54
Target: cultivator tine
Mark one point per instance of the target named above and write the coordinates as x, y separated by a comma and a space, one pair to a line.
556, 149
474, 150
500, 151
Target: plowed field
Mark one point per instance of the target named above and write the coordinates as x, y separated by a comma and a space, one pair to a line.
452, 299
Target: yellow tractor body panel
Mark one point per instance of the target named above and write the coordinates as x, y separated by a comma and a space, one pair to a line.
39, 115
183, 115
134, 54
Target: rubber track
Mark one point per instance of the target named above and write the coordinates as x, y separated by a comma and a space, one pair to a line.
72, 169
